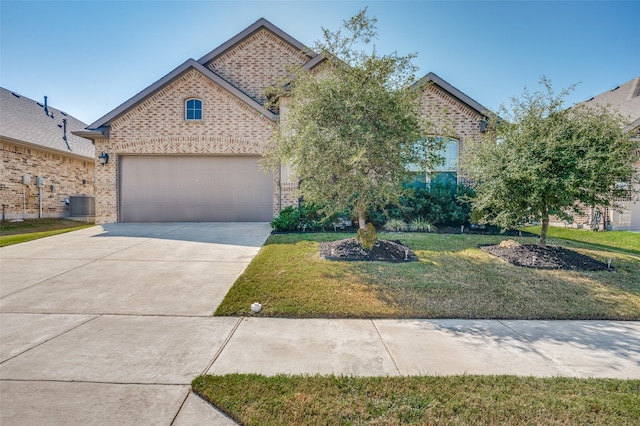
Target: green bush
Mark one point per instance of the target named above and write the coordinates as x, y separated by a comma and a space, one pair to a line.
436, 203
395, 225
288, 220
367, 237
305, 217
419, 224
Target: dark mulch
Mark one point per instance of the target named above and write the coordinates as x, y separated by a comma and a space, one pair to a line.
549, 257
351, 250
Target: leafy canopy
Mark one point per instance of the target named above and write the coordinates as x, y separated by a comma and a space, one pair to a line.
350, 127
542, 159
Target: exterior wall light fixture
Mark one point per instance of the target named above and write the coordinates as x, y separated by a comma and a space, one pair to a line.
104, 158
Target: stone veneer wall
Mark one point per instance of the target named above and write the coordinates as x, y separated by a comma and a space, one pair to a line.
68, 175
158, 126
257, 62
447, 114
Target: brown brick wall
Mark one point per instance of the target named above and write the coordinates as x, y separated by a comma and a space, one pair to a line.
450, 116
258, 62
68, 175
158, 126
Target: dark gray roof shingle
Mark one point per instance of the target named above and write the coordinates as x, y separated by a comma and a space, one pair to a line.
24, 120
624, 99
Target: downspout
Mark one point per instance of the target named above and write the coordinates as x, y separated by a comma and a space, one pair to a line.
279, 187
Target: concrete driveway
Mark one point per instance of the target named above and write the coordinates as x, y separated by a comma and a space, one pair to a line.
111, 323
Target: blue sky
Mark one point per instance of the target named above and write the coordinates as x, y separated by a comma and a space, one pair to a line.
88, 57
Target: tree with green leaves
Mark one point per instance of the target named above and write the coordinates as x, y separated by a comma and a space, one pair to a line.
352, 125
540, 159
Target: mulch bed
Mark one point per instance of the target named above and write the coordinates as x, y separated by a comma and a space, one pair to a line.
526, 255
549, 257
351, 250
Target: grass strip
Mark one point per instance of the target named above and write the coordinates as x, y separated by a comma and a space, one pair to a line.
7, 240
460, 400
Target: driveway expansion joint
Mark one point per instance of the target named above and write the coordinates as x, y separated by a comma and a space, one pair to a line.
224, 344
51, 338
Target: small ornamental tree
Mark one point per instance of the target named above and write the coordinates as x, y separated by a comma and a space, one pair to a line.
352, 125
541, 159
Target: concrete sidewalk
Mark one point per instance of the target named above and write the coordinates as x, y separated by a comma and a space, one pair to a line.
109, 325
604, 349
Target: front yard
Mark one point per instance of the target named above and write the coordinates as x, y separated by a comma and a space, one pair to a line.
452, 279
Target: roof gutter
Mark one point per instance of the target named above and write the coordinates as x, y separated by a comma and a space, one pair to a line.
8, 139
93, 134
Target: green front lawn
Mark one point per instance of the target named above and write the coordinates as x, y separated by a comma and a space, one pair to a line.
33, 229
461, 400
613, 240
453, 279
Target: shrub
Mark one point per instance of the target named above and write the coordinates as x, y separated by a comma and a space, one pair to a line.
287, 220
395, 225
419, 224
367, 237
436, 203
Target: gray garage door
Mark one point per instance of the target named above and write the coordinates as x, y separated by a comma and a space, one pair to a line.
167, 188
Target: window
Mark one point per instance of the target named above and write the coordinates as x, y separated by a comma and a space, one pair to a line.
446, 172
193, 109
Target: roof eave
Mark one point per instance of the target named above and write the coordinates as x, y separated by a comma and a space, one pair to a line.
45, 148
102, 133
167, 79
453, 92
251, 29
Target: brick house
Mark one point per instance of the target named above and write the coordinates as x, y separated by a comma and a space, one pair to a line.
187, 148
624, 99
37, 145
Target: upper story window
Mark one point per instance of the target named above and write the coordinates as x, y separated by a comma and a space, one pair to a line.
193, 109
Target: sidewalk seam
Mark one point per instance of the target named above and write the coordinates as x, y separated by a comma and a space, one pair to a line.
386, 348
224, 344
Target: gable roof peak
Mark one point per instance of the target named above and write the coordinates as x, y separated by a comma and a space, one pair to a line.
434, 78
249, 31
186, 66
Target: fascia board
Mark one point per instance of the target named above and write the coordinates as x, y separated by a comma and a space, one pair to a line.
256, 26
45, 148
453, 92
186, 66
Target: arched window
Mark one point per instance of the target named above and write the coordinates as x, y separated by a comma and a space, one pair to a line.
193, 109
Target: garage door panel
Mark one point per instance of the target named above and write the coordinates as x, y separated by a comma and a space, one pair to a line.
194, 188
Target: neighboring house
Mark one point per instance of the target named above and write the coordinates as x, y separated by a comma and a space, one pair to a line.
187, 148
43, 163
624, 99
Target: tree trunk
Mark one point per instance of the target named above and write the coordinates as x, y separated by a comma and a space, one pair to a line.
544, 229
362, 218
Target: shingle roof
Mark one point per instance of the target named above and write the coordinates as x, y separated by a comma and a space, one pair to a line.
24, 120
624, 98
